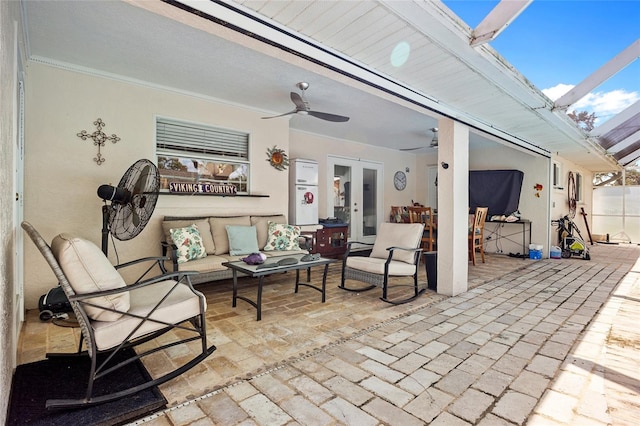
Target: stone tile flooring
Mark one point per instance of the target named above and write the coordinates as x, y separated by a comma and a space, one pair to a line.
546, 344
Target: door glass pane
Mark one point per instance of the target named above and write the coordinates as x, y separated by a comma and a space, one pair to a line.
369, 201
342, 193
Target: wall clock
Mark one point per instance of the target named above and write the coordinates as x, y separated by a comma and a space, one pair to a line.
400, 180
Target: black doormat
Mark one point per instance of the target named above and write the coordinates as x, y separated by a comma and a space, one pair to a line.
64, 377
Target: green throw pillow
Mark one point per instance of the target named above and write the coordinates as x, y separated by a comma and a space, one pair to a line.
189, 243
242, 239
282, 237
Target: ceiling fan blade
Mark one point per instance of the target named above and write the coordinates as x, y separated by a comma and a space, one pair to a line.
412, 149
329, 117
281, 115
300, 103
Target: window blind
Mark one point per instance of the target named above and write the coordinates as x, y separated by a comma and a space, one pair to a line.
181, 137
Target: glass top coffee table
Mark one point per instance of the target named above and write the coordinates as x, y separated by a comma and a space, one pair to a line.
271, 266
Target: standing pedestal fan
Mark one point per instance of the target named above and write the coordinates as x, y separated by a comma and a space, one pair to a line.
132, 202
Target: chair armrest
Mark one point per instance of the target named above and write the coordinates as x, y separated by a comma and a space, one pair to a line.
171, 251
308, 242
141, 260
349, 243
417, 252
180, 278
157, 261
177, 276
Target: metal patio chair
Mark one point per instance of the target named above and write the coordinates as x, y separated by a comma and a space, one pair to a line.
114, 316
395, 253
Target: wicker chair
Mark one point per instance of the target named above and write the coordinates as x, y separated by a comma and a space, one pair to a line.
396, 253
114, 316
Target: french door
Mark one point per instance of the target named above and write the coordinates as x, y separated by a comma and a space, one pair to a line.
357, 196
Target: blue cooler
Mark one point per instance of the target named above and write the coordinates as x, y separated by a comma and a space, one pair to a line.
535, 251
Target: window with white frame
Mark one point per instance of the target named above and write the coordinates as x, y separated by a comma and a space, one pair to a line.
557, 175
197, 153
578, 186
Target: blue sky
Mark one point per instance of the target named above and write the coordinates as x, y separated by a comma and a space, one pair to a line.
556, 44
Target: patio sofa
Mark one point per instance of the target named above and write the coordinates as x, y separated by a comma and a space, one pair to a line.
226, 238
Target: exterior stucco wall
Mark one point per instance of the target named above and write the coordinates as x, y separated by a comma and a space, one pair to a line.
536, 209
9, 42
559, 197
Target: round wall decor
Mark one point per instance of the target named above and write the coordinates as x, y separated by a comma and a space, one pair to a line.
277, 158
400, 180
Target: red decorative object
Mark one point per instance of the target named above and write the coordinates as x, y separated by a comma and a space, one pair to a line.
308, 197
538, 187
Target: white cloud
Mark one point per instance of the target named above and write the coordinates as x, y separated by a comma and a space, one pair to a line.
558, 90
604, 104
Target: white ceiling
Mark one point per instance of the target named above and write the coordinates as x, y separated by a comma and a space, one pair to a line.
159, 44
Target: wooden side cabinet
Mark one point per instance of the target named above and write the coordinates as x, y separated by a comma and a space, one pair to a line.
329, 241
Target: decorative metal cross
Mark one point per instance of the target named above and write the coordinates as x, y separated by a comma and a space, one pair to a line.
99, 139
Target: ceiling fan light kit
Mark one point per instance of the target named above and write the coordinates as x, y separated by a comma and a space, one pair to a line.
303, 108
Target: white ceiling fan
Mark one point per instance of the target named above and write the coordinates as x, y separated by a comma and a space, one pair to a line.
432, 144
303, 108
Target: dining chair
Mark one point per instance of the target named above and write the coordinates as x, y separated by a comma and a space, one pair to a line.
424, 215
396, 214
476, 234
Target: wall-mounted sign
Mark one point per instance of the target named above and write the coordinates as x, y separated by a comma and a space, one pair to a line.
202, 188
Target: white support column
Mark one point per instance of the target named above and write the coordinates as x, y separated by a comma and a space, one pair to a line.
453, 207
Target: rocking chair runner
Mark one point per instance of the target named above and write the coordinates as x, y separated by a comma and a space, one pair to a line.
396, 253
114, 316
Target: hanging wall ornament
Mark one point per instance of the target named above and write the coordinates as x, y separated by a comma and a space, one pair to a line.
277, 158
99, 139
538, 188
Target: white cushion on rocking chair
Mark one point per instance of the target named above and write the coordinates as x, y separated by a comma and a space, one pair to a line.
179, 306
375, 265
407, 235
88, 270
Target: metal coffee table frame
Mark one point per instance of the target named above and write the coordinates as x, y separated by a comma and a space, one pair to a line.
254, 272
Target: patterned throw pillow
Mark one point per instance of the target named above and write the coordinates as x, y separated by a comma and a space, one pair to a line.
282, 237
189, 243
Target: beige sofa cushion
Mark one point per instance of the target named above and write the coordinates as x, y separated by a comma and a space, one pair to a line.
219, 230
207, 264
203, 227
405, 235
88, 270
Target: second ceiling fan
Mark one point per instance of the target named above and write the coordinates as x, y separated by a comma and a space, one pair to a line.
433, 144
303, 108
